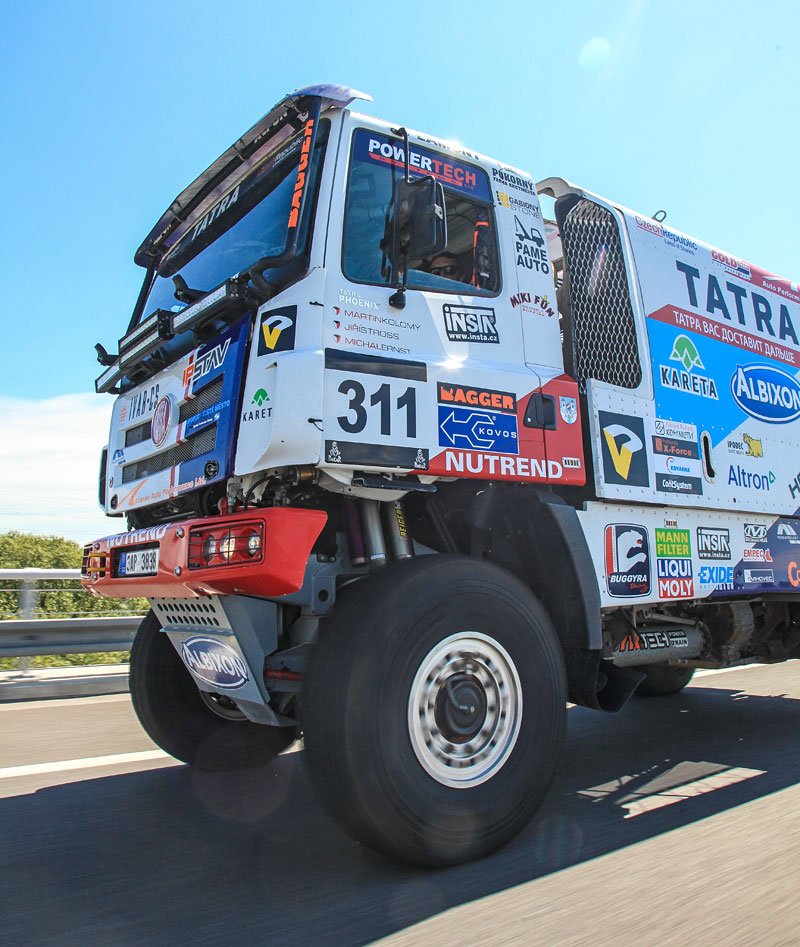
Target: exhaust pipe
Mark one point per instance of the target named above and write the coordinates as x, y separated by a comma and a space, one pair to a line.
653, 644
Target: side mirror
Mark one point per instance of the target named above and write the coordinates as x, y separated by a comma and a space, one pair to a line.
421, 217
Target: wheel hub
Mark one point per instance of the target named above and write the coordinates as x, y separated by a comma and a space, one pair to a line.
465, 709
460, 708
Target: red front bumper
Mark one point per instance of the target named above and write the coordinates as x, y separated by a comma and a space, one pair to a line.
288, 537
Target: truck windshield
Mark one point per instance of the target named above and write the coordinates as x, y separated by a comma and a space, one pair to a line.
247, 223
469, 264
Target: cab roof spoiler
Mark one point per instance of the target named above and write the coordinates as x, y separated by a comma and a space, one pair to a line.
242, 155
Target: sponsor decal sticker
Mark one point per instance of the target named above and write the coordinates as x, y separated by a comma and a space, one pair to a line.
739, 477
159, 426
788, 533
793, 574
755, 532
140, 404
746, 446
672, 447
685, 378
214, 662
653, 641
622, 443
529, 248
718, 577
478, 430
501, 466
568, 409
201, 365
470, 323
476, 397
756, 555
674, 564
713, 542
539, 305
627, 560
759, 576
276, 332
512, 180
766, 393
678, 430
794, 487
514, 203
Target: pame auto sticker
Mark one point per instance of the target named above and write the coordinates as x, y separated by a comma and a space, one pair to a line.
627, 560
530, 247
766, 393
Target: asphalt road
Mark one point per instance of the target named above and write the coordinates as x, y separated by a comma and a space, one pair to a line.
675, 822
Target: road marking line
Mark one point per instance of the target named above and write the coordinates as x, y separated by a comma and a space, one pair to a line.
46, 703
89, 762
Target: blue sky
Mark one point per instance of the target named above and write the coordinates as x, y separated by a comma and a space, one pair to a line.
109, 110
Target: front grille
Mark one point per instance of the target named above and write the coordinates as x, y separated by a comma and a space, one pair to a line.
135, 435
209, 396
603, 331
196, 446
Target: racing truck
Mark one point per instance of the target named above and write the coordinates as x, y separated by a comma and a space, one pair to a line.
412, 451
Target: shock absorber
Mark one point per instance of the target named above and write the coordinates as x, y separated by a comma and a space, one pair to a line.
373, 532
355, 536
394, 521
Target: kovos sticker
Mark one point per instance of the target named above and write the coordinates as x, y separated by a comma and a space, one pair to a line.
214, 662
766, 393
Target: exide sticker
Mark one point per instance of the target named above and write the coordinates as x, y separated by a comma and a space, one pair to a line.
214, 662
766, 393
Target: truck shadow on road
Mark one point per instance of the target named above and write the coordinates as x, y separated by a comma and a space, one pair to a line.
175, 856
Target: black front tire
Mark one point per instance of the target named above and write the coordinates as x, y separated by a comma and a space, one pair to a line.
662, 680
447, 641
175, 716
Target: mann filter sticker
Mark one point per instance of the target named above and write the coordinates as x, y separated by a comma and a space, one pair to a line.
674, 564
627, 560
623, 451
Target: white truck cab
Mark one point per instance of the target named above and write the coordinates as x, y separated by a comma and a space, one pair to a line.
406, 464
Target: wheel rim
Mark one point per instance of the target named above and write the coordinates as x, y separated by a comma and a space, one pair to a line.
221, 705
465, 710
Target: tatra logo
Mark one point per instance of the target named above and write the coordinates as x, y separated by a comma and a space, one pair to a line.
622, 445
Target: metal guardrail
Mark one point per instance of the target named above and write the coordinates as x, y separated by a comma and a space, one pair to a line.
23, 639
27, 636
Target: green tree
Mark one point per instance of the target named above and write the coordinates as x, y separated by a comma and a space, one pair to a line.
54, 598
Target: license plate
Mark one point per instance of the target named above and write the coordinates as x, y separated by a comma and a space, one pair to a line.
139, 562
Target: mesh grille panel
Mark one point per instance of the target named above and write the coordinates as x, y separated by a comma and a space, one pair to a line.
603, 330
195, 447
208, 396
136, 435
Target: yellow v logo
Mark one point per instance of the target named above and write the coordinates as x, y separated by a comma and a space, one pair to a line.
622, 445
271, 330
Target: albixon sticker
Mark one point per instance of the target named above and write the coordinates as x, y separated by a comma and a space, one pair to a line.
214, 662
766, 393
